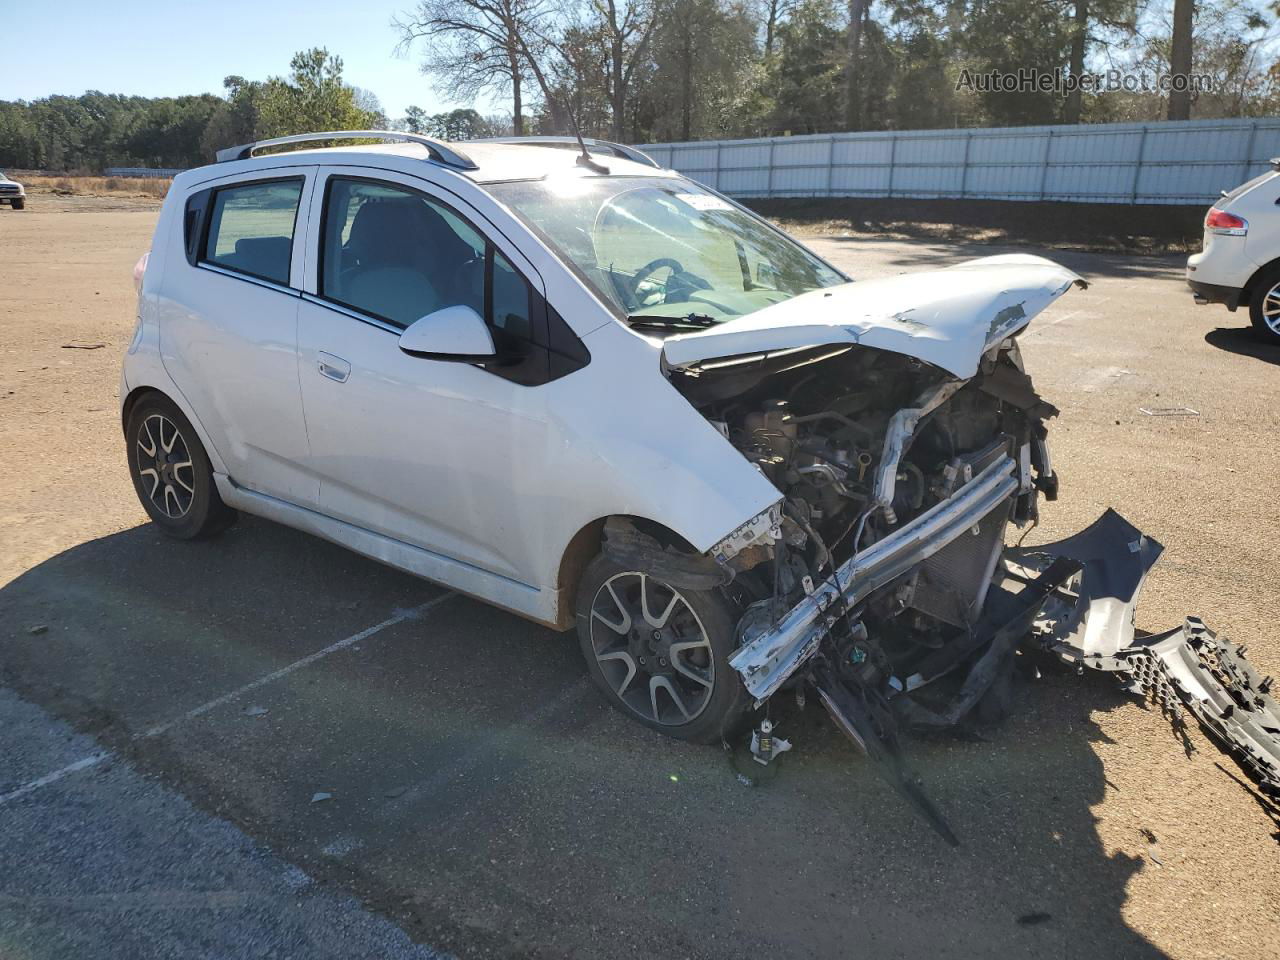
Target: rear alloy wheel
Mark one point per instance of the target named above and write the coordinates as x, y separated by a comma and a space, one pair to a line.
659, 653
171, 472
1264, 307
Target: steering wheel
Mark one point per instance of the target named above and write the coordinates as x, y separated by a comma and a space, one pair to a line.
643, 273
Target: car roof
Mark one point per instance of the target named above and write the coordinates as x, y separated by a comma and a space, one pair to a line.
494, 161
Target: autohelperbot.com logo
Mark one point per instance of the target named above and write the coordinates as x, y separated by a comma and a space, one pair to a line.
1059, 81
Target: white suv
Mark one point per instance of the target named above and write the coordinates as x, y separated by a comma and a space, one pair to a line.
1240, 262
602, 396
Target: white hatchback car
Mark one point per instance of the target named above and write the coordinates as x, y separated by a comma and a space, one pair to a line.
598, 394
1239, 264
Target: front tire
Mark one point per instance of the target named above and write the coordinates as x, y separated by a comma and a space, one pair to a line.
171, 471
1264, 306
17, 204
660, 653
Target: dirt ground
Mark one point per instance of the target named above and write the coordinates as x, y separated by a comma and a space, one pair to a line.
486, 800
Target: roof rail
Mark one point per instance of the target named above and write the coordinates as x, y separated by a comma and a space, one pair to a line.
604, 146
440, 152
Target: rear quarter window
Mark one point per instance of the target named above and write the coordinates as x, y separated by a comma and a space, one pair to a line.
251, 228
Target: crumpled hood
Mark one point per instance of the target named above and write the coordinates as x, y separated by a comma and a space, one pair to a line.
947, 317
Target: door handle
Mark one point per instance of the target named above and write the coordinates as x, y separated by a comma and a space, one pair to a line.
335, 368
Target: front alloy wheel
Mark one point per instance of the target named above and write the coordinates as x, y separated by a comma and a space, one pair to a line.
659, 652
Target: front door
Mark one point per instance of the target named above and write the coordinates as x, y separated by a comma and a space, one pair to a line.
428, 452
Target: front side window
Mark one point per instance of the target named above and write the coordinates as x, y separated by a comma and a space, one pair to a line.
251, 228
664, 251
393, 254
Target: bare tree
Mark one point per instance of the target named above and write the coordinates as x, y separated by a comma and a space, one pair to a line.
1079, 40
628, 27
1095, 23
858, 12
1180, 58
477, 45
774, 11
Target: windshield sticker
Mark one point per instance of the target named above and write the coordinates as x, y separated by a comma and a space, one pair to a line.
703, 201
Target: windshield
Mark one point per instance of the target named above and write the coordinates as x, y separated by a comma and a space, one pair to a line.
666, 252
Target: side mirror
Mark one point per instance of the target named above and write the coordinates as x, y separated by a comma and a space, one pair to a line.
451, 333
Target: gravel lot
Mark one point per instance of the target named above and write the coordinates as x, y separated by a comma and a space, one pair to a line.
485, 800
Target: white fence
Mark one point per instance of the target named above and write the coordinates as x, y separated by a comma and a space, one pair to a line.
158, 172
1176, 162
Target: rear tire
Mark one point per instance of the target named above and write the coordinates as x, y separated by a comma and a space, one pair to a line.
660, 654
1264, 306
171, 471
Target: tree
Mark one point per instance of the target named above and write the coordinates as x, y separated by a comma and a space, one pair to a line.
460, 124
1012, 35
313, 97
476, 45
367, 102
236, 119
415, 120
701, 56
774, 11
576, 81
805, 77
1180, 57
627, 26
859, 10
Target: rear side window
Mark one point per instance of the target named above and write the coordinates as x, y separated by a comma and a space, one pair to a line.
251, 228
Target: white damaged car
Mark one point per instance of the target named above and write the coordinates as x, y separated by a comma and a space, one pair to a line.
601, 396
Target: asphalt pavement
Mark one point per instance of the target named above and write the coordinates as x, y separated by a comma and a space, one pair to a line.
264, 745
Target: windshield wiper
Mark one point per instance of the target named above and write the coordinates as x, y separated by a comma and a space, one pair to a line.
691, 321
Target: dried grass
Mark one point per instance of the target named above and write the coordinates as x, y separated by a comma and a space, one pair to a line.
84, 186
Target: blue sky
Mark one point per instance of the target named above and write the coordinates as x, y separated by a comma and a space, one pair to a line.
155, 48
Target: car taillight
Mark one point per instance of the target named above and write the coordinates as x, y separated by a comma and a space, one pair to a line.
139, 269
1228, 224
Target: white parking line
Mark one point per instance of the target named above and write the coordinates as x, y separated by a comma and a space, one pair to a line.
400, 617
82, 764
1040, 326
92, 760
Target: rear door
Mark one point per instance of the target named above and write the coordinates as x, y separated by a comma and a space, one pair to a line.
229, 326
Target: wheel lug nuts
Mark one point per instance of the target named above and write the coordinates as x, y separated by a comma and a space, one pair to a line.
662, 661
657, 634
642, 661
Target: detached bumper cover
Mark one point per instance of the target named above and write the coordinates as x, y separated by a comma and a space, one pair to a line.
1212, 679
1187, 667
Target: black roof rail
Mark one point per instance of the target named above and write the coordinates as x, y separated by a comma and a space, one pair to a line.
571, 143
441, 152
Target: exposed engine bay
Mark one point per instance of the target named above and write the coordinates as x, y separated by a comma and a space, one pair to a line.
882, 579
856, 462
